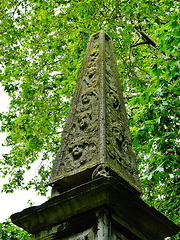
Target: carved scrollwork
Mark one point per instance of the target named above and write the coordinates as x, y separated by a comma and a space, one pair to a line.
109, 76
94, 53
125, 146
111, 149
108, 69
118, 147
126, 157
117, 131
88, 96
100, 171
113, 100
90, 77
107, 56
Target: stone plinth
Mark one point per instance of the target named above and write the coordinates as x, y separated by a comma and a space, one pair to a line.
102, 209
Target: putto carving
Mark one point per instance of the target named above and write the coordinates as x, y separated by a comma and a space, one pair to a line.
79, 153
87, 97
88, 100
77, 150
84, 120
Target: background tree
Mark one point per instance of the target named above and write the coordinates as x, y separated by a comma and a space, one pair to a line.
9, 231
42, 46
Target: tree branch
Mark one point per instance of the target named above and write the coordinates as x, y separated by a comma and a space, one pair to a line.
141, 43
147, 38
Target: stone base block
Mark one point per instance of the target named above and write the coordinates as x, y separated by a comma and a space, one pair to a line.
102, 209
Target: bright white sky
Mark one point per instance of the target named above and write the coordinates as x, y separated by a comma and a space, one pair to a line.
14, 202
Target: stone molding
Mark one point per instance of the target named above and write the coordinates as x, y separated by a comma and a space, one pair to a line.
125, 207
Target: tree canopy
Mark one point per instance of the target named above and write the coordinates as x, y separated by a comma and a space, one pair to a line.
9, 231
42, 46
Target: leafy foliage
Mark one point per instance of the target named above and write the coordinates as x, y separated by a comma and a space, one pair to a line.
42, 46
8, 231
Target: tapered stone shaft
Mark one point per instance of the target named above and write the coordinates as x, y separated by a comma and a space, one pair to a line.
96, 139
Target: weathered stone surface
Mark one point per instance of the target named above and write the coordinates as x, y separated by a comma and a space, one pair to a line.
78, 213
96, 135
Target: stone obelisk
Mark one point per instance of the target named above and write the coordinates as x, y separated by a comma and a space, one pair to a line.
95, 183
96, 139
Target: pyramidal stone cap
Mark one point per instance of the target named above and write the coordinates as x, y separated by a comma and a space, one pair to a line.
96, 139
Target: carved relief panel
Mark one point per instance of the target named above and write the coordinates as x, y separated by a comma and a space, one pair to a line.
79, 145
118, 139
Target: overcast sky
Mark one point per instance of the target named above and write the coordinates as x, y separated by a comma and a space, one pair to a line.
17, 201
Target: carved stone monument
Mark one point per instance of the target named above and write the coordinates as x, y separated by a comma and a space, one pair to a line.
95, 183
96, 139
